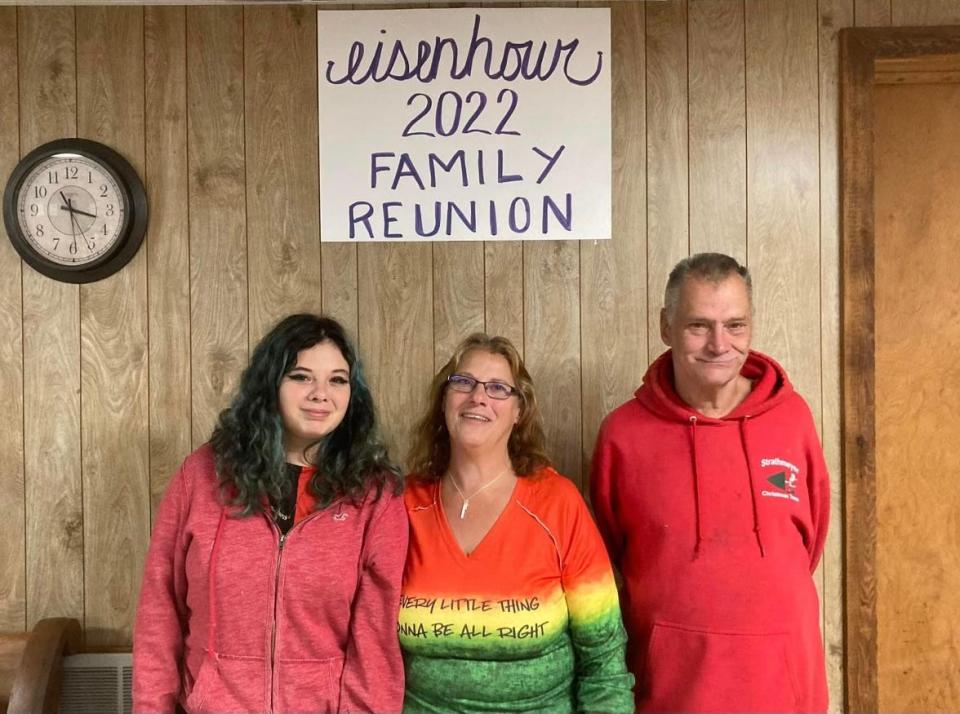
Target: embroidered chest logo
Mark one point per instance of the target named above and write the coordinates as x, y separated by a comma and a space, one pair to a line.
341, 516
783, 479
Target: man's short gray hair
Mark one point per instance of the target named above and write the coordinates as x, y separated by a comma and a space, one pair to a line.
712, 267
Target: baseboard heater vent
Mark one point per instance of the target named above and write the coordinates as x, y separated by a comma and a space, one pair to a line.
97, 684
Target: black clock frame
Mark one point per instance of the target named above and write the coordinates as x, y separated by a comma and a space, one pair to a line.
135, 220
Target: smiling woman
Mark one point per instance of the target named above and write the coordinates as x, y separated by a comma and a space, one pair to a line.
313, 399
480, 629
238, 612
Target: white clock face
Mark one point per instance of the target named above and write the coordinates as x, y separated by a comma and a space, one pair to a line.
71, 209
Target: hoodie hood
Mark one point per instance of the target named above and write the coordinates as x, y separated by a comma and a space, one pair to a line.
770, 388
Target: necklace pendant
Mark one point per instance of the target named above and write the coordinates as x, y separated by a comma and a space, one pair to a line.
463, 509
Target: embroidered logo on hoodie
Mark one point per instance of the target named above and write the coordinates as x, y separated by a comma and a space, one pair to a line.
785, 481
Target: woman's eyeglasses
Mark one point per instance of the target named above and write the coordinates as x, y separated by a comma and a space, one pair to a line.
494, 390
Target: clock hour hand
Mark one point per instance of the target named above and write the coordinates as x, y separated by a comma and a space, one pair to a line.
69, 207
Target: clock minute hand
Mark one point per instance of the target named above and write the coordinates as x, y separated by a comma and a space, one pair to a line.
77, 227
73, 221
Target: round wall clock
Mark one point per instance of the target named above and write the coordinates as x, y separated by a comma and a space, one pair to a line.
75, 210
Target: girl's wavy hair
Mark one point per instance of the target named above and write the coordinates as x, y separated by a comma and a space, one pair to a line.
248, 439
430, 451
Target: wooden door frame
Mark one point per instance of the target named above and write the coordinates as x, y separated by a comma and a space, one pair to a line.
868, 57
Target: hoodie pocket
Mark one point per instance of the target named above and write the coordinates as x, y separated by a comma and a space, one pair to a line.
690, 669
227, 684
309, 685
194, 700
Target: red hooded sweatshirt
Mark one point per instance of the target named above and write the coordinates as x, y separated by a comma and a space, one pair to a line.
716, 526
234, 619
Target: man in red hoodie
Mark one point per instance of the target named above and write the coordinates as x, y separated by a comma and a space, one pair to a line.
711, 492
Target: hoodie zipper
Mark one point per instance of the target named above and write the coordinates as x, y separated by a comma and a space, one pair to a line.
276, 599
273, 632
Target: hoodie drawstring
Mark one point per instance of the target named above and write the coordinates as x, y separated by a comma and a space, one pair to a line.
211, 585
696, 484
751, 479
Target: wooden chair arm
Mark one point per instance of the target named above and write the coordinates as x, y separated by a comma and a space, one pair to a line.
36, 686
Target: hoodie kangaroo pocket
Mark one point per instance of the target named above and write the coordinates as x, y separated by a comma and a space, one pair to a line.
692, 670
195, 699
309, 686
228, 684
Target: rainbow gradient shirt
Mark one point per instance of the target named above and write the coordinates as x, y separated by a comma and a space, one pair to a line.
529, 621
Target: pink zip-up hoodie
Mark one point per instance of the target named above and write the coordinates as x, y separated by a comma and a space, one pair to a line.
232, 618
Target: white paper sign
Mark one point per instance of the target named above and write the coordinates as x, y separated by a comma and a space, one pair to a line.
464, 124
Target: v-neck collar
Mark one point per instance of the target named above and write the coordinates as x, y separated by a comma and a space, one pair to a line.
447, 532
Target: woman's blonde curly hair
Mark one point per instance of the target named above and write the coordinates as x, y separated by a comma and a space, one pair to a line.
429, 456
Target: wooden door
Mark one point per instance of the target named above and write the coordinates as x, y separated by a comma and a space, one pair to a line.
901, 215
917, 308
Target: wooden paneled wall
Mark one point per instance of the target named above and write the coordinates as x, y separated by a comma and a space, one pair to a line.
725, 138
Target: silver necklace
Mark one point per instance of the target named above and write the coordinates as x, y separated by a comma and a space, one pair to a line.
465, 500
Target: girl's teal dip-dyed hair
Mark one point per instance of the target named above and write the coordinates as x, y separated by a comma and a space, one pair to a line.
248, 439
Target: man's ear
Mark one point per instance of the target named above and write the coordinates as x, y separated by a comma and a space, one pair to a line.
664, 327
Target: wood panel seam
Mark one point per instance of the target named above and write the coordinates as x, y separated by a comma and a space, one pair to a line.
687, 78
483, 262
146, 173
746, 141
646, 167
23, 372
83, 514
523, 302
820, 325
189, 222
246, 208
